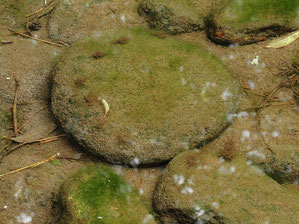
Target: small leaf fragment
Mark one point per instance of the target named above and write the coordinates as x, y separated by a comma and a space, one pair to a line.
56, 162
284, 41
106, 105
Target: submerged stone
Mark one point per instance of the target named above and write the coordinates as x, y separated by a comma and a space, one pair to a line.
199, 187
176, 16
15, 13
74, 20
250, 21
164, 96
96, 194
280, 128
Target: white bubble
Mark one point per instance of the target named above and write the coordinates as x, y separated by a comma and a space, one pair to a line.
123, 18
135, 162
187, 190
184, 82
257, 154
226, 94
141, 191
275, 134
251, 85
232, 169
215, 205
148, 218
179, 179
245, 135
23, 218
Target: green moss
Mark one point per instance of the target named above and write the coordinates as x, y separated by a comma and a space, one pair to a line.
242, 192
18, 9
246, 11
97, 195
160, 88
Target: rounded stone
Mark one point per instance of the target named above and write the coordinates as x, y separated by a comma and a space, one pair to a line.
200, 187
165, 96
75, 20
250, 21
96, 194
280, 128
177, 16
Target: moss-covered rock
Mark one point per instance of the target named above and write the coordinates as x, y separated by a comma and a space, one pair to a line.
14, 13
198, 186
96, 194
165, 96
249, 21
280, 128
74, 20
177, 16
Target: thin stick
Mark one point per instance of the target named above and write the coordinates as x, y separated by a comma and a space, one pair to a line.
14, 108
42, 141
30, 166
34, 38
29, 119
42, 8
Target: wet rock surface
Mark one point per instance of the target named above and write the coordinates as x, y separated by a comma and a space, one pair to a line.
246, 22
96, 194
74, 20
173, 96
200, 187
30, 195
279, 126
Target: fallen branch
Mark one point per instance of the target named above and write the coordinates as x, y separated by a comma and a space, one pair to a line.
30, 166
34, 38
4, 152
29, 119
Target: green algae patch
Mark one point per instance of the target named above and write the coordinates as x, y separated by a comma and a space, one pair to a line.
14, 12
97, 195
250, 21
200, 187
177, 16
165, 96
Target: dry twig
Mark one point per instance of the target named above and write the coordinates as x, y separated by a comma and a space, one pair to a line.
30, 166
5, 151
34, 38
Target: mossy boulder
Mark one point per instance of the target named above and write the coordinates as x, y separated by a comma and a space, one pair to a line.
280, 128
14, 12
177, 16
75, 20
165, 96
96, 194
199, 187
250, 21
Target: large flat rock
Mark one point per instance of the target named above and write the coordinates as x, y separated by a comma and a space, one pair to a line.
199, 187
165, 96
